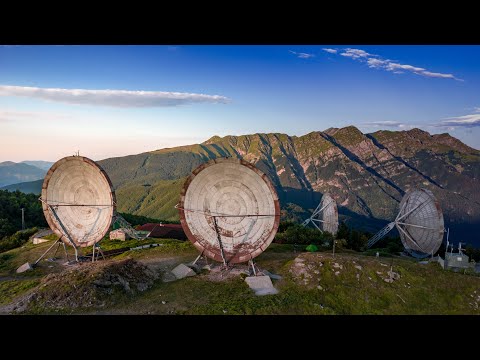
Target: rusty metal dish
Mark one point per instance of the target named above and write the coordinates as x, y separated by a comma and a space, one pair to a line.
228, 203
78, 201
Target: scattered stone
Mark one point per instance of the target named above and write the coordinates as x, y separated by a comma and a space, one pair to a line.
224, 311
379, 273
319, 287
164, 302
182, 271
369, 278
393, 275
358, 277
388, 280
358, 267
382, 264
102, 283
337, 273
262, 285
272, 276
337, 266
316, 272
24, 267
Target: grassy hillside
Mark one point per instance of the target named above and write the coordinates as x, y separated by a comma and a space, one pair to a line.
312, 283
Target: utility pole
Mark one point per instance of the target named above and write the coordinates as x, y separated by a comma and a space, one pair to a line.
23, 218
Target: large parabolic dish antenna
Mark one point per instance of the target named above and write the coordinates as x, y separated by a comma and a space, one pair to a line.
325, 216
78, 201
419, 222
229, 210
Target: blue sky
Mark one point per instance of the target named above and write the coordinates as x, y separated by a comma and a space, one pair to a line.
131, 99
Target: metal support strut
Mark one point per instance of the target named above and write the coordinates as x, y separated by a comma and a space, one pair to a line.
219, 241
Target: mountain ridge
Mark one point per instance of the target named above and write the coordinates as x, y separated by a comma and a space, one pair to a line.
367, 174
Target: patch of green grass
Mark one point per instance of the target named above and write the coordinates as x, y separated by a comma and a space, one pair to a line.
52, 236
13, 288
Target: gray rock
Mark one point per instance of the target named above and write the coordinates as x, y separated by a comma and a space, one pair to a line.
182, 271
24, 267
102, 283
272, 276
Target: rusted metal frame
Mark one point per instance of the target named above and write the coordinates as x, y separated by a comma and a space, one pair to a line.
409, 212
380, 234
252, 264
65, 230
87, 205
222, 215
219, 240
417, 226
410, 238
45, 253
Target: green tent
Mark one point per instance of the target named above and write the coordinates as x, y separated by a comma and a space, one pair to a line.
312, 248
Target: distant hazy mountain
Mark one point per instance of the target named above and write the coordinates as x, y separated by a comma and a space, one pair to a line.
44, 165
11, 173
33, 187
367, 174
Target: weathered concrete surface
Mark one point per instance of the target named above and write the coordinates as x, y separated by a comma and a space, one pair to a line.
262, 285
182, 271
24, 267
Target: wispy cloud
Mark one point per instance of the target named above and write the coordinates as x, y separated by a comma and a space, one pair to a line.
389, 124
331, 51
115, 98
355, 53
376, 62
466, 121
302, 55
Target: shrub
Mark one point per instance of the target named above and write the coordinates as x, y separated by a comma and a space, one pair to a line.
16, 240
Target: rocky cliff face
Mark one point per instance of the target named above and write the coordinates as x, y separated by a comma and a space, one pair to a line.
367, 174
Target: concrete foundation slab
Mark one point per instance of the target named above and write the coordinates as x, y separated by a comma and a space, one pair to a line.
24, 267
262, 285
182, 271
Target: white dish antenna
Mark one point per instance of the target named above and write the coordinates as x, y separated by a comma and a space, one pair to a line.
419, 222
325, 216
229, 210
78, 201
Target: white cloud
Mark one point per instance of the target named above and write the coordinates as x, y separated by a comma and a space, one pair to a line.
355, 53
391, 66
439, 75
302, 55
387, 123
115, 98
471, 120
331, 51
375, 62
